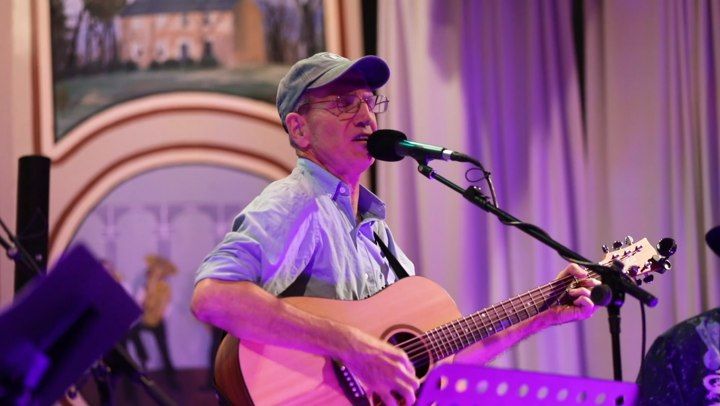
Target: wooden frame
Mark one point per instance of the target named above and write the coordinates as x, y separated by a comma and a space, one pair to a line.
342, 20
130, 137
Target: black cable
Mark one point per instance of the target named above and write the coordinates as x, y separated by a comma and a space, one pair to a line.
485, 176
6, 245
15, 251
528, 228
643, 327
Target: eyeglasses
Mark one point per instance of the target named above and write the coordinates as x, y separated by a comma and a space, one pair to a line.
349, 104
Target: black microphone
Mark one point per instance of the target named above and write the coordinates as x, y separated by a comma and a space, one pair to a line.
713, 239
393, 145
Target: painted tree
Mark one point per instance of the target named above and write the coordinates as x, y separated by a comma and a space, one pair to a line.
59, 40
96, 23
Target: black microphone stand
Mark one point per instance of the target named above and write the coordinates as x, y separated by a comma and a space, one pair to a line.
612, 277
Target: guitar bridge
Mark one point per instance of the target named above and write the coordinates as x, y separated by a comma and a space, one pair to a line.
350, 386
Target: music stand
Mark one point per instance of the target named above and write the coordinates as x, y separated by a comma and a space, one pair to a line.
457, 384
58, 326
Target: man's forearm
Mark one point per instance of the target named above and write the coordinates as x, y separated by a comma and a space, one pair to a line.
246, 311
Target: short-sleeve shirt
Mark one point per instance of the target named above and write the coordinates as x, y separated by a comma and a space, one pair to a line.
304, 225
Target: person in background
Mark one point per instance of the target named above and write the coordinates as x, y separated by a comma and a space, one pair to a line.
154, 297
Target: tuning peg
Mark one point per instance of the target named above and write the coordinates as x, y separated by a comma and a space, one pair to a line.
617, 245
633, 270
660, 263
605, 248
667, 247
628, 241
648, 278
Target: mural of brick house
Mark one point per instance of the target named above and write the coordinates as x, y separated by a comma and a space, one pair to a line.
229, 32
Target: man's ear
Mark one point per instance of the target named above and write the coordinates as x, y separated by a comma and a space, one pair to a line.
298, 130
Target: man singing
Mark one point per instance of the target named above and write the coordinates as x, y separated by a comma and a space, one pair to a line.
314, 233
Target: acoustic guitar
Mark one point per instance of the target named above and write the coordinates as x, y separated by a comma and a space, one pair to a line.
424, 322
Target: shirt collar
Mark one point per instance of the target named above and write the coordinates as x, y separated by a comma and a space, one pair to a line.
369, 205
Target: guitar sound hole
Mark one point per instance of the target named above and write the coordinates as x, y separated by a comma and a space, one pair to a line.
415, 349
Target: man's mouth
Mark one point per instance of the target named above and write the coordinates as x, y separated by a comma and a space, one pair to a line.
362, 138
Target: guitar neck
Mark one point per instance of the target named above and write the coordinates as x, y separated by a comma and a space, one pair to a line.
452, 337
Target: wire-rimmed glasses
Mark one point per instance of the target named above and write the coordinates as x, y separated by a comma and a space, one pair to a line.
349, 104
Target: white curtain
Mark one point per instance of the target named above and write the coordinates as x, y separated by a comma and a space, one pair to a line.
499, 80
653, 148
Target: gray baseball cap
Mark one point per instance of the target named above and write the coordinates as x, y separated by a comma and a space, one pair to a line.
322, 69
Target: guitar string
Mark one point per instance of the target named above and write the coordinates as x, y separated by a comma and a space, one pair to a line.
449, 332
417, 346
423, 357
420, 356
455, 338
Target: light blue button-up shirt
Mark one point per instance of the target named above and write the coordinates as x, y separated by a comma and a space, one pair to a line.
304, 224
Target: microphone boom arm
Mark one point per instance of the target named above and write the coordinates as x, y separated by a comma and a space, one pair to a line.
475, 196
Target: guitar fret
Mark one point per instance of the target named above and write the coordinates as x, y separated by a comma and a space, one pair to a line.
523, 306
457, 335
532, 300
447, 338
487, 323
433, 343
505, 314
544, 299
476, 329
528, 304
498, 327
469, 333
506, 320
447, 344
440, 340
457, 339
434, 353
556, 293
451, 337
483, 323
515, 311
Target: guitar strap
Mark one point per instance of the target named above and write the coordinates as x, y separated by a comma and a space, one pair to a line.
400, 272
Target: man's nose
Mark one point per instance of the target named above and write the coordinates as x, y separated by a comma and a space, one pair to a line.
364, 115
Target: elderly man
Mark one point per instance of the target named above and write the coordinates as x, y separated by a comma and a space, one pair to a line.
316, 232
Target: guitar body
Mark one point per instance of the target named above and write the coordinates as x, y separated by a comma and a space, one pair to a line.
272, 375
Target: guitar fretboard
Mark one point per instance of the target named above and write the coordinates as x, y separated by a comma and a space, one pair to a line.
452, 337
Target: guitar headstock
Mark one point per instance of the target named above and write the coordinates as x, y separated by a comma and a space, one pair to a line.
640, 259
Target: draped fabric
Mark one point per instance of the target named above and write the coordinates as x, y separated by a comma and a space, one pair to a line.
500, 80
652, 134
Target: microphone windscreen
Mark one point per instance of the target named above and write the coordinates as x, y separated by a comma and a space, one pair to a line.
713, 239
381, 145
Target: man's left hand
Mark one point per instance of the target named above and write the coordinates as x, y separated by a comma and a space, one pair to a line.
582, 307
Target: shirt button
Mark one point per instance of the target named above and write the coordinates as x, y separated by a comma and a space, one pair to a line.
342, 190
367, 276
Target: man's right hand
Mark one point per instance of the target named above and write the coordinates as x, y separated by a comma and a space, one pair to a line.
381, 368
246, 311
